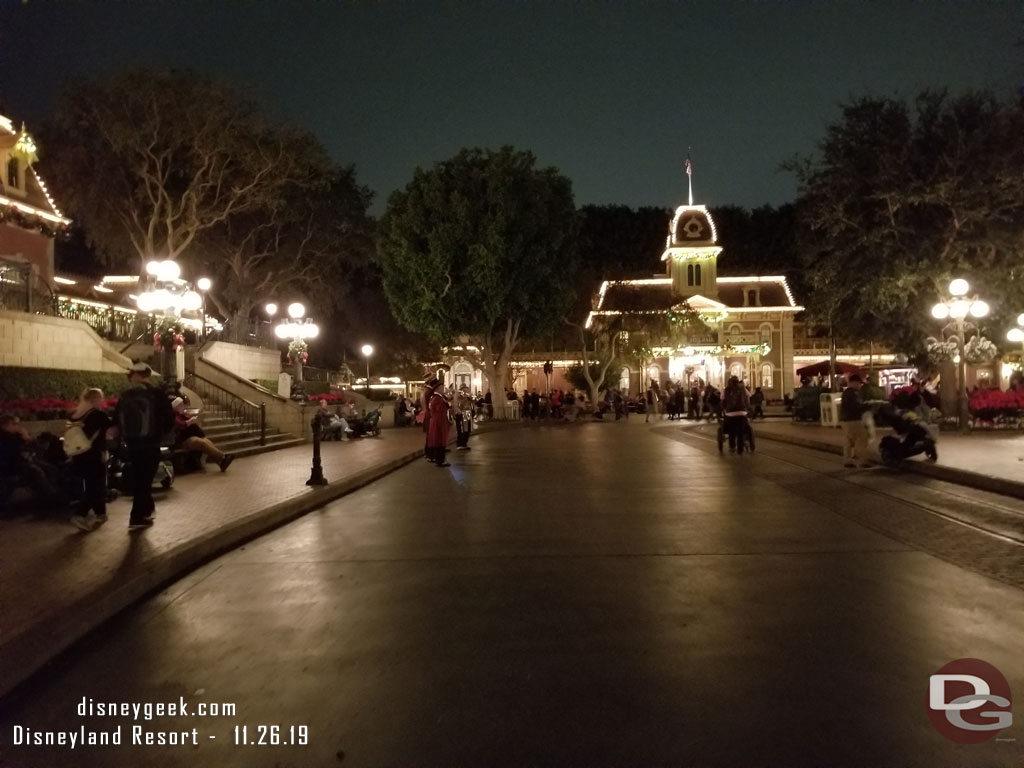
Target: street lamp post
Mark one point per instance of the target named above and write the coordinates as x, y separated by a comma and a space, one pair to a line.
367, 351
957, 308
204, 284
296, 329
165, 294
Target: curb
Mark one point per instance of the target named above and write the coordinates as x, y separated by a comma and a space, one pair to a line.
28, 652
964, 477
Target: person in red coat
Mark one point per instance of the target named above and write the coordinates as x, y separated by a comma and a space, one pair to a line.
437, 427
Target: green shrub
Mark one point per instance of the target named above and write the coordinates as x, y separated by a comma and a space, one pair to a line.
22, 383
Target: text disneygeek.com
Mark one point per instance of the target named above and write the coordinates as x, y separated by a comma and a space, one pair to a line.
141, 733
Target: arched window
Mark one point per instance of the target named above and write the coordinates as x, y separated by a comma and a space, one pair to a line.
767, 376
689, 274
735, 331
752, 298
766, 333
696, 272
462, 374
13, 178
738, 370
654, 374
624, 380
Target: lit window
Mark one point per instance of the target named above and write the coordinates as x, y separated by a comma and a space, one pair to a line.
624, 380
767, 374
738, 370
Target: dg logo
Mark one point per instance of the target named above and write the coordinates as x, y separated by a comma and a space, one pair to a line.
969, 701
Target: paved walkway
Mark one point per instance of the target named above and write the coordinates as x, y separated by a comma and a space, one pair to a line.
60, 583
991, 461
591, 595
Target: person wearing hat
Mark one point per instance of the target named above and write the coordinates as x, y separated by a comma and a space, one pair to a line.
851, 415
438, 408
189, 436
429, 385
143, 418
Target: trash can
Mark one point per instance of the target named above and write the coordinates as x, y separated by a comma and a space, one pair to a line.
830, 409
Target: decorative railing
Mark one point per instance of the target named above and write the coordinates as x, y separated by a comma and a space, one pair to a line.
248, 415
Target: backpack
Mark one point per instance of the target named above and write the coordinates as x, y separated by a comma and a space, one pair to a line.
76, 442
734, 400
137, 416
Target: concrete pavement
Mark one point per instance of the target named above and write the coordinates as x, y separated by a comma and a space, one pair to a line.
60, 583
594, 594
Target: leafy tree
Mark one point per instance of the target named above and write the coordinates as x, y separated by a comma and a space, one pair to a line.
307, 243
481, 246
900, 198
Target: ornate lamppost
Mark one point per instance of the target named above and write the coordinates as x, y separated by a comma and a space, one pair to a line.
203, 284
957, 307
165, 294
296, 329
367, 350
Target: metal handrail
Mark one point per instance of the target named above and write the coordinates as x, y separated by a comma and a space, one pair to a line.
241, 411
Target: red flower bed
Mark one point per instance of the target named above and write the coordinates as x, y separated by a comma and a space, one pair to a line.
989, 404
44, 408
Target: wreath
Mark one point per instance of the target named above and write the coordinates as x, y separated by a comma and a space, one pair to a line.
297, 351
170, 337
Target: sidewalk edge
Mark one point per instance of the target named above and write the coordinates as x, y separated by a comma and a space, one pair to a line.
27, 652
964, 477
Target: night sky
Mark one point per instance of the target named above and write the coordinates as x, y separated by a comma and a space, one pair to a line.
612, 93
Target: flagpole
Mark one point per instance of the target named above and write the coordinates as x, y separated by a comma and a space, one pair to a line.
689, 176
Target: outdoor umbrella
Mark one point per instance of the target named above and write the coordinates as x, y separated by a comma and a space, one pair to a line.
821, 369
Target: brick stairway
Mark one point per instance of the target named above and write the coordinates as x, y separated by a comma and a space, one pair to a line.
232, 437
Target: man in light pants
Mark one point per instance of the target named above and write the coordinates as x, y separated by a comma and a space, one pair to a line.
855, 434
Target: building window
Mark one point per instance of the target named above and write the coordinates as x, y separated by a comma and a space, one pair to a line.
766, 333
654, 374
624, 380
737, 370
752, 298
767, 376
735, 331
13, 179
693, 274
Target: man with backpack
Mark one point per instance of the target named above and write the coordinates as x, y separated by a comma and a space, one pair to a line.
144, 417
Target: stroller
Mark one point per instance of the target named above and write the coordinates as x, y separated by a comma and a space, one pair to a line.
747, 436
911, 438
120, 469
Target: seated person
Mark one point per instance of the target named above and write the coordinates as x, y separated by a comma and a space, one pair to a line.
189, 436
333, 425
17, 464
403, 414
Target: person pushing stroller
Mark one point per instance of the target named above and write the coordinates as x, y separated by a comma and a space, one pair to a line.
736, 405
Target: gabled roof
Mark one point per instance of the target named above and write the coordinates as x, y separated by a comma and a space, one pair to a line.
655, 295
35, 200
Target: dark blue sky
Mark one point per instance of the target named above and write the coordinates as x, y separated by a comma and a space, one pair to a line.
612, 93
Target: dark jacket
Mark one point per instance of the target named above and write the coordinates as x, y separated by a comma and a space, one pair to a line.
162, 411
851, 406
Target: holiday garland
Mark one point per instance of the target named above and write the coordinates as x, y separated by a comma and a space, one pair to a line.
297, 351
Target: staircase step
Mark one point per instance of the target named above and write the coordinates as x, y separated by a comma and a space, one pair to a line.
227, 431
245, 442
253, 450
